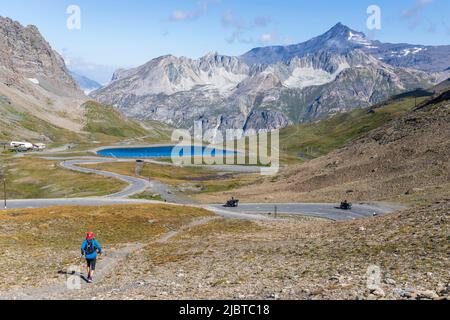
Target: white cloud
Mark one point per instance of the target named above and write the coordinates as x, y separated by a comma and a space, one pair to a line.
239, 36
267, 37
229, 20
413, 15
241, 27
180, 15
185, 15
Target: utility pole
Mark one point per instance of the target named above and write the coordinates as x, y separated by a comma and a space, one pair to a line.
4, 189
276, 212
3, 177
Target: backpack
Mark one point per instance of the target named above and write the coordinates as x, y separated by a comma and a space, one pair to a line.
90, 248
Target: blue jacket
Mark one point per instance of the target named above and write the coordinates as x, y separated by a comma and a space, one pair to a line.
93, 255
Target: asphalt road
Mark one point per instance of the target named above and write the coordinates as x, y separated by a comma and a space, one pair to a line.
319, 210
93, 202
135, 185
244, 211
85, 202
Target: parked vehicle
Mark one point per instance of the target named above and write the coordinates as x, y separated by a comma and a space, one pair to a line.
39, 146
233, 203
21, 146
346, 205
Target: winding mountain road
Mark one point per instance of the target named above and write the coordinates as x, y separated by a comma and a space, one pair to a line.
246, 211
135, 185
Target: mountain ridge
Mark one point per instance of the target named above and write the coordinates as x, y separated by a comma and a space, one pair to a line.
333, 74
399, 55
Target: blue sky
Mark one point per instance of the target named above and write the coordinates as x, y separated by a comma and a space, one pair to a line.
118, 33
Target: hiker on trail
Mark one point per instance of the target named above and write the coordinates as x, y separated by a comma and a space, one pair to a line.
90, 248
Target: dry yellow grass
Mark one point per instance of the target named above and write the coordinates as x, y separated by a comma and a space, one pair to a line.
317, 259
198, 182
167, 174
33, 178
36, 243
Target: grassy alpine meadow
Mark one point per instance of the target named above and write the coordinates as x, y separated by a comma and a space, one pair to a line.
37, 243
311, 259
166, 173
192, 181
102, 126
105, 124
35, 178
308, 141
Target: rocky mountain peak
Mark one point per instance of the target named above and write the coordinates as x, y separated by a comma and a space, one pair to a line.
211, 55
345, 35
24, 52
339, 39
118, 74
339, 30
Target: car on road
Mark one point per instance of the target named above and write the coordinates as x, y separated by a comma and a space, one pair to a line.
346, 206
233, 203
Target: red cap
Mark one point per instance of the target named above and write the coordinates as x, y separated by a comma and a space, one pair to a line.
90, 236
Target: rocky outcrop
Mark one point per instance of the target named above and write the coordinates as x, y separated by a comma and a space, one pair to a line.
42, 97
24, 52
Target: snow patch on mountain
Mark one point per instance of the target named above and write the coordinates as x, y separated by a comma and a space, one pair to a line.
358, 38
219, 79
34, 80
407, 52
308, 77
